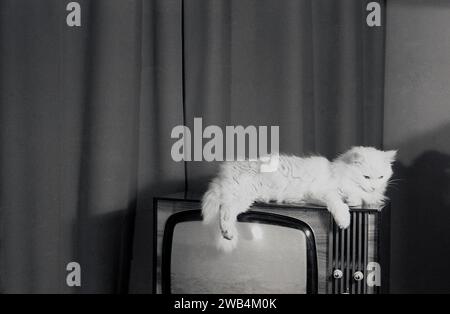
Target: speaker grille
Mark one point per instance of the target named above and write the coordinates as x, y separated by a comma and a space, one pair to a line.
349, 254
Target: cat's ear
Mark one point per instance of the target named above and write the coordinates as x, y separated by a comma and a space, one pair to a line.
390, 155
353, 157
356, 158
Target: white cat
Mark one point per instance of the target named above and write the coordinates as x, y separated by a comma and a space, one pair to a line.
359, 177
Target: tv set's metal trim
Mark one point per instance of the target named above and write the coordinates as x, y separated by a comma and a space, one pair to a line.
250, 216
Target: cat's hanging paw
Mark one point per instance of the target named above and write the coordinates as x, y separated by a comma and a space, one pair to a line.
228, 231
342, 219
227, 225
227, 239
342, 216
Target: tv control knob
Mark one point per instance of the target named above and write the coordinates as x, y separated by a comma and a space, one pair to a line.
337, 274
358, 276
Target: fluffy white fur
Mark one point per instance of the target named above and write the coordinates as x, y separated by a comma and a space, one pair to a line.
359, 177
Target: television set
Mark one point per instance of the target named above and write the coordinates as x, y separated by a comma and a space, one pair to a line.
282, 248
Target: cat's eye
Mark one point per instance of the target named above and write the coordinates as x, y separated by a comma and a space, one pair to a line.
367, 177
380, 177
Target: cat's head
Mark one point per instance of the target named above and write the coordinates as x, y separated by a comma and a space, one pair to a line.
369, 167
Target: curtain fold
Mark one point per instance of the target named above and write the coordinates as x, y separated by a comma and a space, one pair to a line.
87, 114
160, 111
70, 111
314, 68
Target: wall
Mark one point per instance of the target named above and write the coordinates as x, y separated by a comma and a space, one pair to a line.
417, 122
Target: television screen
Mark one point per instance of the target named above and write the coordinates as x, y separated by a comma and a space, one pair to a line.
270, 257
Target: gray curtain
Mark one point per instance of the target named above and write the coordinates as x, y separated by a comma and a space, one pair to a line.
314, 68
86, 115
85, 122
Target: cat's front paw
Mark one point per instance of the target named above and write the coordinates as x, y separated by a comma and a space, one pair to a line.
342, 216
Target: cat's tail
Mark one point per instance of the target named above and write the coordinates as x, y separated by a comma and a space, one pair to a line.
211, 203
